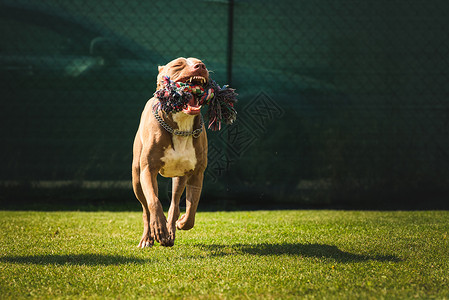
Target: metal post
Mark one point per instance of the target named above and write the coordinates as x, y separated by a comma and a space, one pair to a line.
229, 82
230, 41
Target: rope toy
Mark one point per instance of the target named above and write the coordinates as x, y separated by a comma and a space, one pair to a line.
174, 97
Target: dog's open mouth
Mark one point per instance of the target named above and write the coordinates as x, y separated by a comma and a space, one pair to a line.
193, 107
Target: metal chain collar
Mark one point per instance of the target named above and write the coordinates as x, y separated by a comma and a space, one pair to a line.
196, 133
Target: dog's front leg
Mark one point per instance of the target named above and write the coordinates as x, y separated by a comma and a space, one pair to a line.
158, 222
178, 186
193, 193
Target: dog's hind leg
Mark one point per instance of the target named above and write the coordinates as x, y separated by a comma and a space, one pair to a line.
193, 193
178, 186
147, 240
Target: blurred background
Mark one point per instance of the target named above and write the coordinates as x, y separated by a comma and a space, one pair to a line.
341, 103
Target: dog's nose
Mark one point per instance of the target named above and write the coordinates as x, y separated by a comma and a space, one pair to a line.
199, 66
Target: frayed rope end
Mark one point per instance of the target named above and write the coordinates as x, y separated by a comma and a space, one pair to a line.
221, 106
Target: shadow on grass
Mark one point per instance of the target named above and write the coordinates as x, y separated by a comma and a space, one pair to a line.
305, 250
302, 250
74, 259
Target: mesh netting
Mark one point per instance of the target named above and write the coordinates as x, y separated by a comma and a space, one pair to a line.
336, 99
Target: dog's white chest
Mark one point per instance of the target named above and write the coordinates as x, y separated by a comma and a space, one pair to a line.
181, 158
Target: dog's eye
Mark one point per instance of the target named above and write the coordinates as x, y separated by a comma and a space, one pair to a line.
179, 64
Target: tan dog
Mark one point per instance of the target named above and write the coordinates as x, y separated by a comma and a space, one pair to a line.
184, 158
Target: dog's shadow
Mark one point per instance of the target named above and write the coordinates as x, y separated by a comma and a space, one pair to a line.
74, 259
319, 251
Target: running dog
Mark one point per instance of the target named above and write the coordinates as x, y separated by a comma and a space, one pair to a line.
173, 145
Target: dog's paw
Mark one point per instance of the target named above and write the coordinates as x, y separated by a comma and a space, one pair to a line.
159, 230
179, 223
146, 242
185, 223
169, 243
171, 235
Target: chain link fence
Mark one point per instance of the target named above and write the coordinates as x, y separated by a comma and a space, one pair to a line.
339, 101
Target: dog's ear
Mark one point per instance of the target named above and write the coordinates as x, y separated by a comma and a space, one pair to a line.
160, 68
159, 79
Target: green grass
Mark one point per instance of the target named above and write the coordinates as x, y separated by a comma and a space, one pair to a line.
256, 255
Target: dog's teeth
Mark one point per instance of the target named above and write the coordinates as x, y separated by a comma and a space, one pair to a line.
201, 79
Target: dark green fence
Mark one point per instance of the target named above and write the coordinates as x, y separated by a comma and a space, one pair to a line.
340, 101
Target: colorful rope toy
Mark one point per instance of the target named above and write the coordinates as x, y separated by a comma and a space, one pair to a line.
174, 96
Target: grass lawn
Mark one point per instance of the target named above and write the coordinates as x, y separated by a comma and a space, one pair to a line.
249, 254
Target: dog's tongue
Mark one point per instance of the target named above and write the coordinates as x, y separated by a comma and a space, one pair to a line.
192, 107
